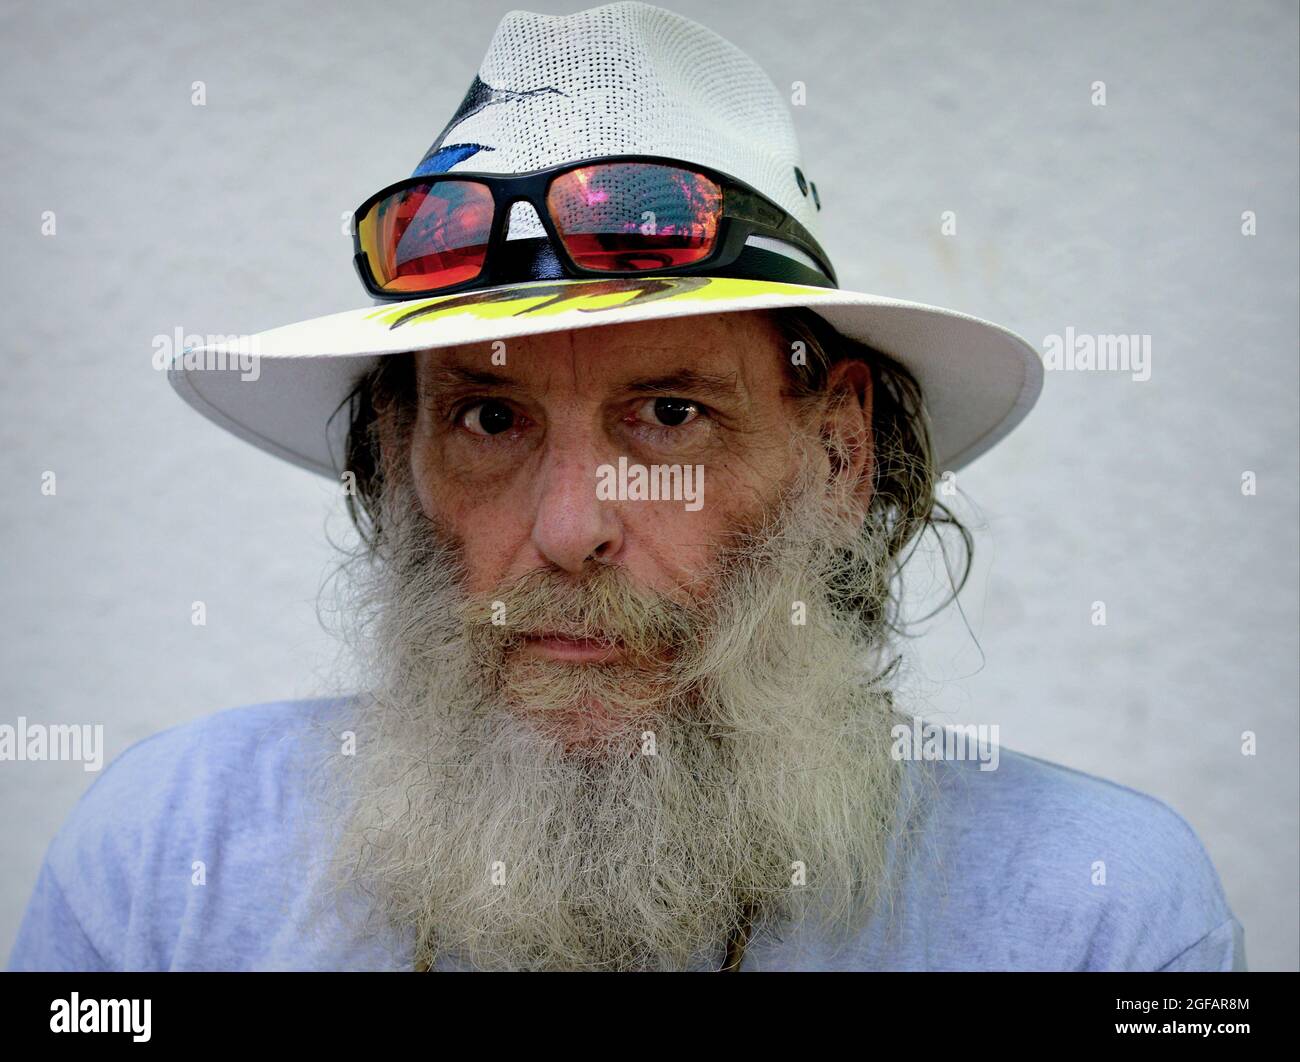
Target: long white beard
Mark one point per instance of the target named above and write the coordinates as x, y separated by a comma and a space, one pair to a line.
744, 773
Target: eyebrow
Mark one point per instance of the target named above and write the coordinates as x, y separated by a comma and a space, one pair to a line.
685, 381
688, 381
448, 377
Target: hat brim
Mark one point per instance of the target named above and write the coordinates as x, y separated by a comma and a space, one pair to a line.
979, 380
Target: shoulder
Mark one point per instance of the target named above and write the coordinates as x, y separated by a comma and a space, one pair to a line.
1081, 872
223, 790
197, 769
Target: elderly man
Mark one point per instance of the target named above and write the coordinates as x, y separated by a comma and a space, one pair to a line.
633, 480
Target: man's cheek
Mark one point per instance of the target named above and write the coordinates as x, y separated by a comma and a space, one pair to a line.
668, 546
447, 497
487, 558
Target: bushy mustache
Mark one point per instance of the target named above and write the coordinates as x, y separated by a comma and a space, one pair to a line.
603, 606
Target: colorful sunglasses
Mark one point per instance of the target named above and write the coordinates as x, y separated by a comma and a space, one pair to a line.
616, 216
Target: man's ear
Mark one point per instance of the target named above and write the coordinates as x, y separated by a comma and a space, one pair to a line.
846, 431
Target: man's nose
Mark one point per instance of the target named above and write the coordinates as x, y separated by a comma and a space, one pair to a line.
572, 525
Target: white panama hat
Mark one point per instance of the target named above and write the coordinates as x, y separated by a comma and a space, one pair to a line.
622, 79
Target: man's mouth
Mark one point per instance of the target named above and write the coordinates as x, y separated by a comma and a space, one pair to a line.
552, 645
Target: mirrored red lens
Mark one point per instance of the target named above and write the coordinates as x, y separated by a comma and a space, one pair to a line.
428, 236
633, 216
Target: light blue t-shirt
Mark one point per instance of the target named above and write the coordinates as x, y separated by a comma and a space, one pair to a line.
1005, 873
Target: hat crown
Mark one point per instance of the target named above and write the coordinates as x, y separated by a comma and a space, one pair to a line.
623, 79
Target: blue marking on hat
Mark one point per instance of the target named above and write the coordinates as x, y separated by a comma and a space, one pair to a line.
439, 159
446, 157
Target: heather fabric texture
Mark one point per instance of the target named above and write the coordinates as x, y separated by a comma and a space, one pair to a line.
999, 874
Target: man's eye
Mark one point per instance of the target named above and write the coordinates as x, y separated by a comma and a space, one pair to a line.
668, 412
487, 418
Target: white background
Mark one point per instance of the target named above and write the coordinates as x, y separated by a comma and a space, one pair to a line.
1117, 219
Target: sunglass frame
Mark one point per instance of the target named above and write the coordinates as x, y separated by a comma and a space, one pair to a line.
745, 212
